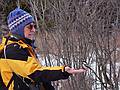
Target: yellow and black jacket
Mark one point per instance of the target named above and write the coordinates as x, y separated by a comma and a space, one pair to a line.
19, 67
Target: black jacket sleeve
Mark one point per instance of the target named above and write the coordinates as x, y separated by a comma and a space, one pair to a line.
49, 75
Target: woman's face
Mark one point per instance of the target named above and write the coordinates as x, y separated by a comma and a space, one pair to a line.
29, 31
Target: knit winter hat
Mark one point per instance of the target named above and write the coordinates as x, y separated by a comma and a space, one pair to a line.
17, 20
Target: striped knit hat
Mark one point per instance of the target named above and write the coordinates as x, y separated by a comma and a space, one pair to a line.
17, 20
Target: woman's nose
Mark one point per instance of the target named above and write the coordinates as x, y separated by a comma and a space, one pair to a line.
33, 29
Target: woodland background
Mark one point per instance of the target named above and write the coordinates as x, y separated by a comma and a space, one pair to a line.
76, 33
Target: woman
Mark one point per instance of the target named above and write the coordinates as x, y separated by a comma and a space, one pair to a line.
19, 68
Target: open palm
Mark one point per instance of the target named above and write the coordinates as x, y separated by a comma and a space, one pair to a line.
74, 71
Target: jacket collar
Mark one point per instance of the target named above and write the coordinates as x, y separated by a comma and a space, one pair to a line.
15, 37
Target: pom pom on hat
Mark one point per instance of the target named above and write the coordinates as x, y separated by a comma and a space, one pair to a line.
17, 20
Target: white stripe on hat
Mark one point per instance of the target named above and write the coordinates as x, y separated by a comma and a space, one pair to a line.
18, 21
